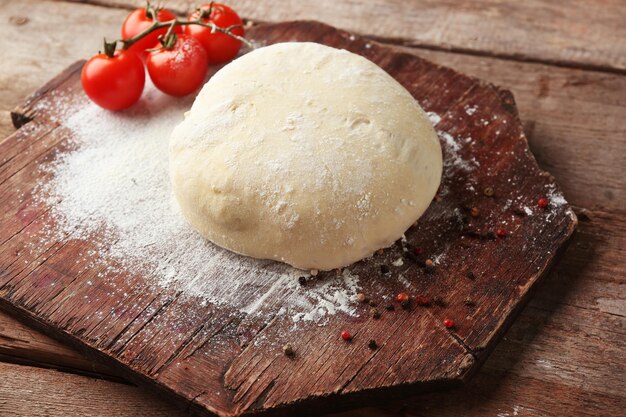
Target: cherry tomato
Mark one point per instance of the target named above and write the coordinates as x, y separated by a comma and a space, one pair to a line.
178, 70
114, 83
137, 21
219, 46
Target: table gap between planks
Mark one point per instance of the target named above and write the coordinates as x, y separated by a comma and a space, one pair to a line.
577, 313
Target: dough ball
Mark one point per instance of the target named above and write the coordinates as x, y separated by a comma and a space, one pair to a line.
304, 154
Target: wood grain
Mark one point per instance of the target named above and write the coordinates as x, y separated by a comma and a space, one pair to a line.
171, 352
590, 279
566, 112
547, 364
532, 30
25, 392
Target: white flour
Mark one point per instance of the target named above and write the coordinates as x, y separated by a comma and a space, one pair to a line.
115, 185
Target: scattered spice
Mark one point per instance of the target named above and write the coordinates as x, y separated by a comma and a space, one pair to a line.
389, 307
361, 298
412, 256
402, 296
373, 303
429, 263
422, 300
448, 323
439, 301
375, 313
302, 280
474, 211
372, 344
501, 233
384, 269
470, 275
519, 212
488, 191
288, 350
469, 302
584, 215
542, 202
346, 335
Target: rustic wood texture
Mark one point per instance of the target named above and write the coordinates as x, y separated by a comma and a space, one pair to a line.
48, 290
531, 30
542, 367
84, 396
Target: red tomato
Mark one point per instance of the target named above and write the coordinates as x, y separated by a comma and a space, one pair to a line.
179, 70
137, 21
219, 46
114, 83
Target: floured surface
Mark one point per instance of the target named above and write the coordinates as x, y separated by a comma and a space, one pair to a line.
116, 287
115, 183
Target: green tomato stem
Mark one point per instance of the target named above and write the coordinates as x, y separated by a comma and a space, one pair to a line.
127, 43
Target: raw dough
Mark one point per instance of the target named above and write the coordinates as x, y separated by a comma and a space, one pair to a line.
304, 154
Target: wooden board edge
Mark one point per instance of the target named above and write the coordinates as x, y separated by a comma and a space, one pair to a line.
94, 354
25, 112
316, 406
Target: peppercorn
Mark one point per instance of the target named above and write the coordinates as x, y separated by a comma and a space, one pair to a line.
288, 350
429, 263
302, 281
501, 233
519, 212
384, 269
389, 307
474, 212
488, 191
422, 300
361, 298
470, 275
469, 302
542, 202
448, 323
375, 313
346, 335
402, 296
439, 301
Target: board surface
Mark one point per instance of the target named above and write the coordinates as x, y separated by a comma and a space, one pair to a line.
213, 362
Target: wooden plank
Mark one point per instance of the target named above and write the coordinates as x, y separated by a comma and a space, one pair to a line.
582, 90
575, 121
18, 343
565, 111
169, 344
26, 392
576, 33
33, 58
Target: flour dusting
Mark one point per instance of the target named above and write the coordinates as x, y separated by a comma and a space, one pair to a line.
112, 187
114, 184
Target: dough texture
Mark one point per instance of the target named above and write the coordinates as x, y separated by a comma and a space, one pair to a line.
304, 154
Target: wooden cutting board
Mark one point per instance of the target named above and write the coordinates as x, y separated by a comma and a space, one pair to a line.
215, 360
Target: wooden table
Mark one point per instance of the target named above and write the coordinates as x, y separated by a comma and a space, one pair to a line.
566, 64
